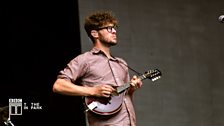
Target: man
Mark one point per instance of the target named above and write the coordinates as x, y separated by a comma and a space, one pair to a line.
96, 73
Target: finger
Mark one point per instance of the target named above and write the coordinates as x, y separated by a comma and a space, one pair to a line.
109, 88
106, 93
134, 77
132, 84
138, 85
107, 96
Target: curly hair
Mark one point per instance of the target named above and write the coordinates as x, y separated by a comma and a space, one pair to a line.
99, 19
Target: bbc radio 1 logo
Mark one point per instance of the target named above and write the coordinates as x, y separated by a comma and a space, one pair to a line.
16, 106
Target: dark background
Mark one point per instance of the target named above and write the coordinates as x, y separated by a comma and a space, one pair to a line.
39, 38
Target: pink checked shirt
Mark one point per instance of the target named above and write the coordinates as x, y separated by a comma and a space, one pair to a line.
92, 68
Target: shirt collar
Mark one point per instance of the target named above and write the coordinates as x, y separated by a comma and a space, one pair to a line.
98, 51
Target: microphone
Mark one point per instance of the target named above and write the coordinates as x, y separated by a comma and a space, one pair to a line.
221, 18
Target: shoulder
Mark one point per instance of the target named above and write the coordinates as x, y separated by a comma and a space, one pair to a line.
82, 57
121, 60
79, 61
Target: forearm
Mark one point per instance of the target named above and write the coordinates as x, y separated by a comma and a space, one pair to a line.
62, 86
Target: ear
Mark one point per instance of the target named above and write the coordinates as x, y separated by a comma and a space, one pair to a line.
94, 33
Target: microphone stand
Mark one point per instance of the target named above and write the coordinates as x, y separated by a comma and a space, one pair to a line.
8, 122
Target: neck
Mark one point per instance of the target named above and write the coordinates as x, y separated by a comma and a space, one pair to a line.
105, 49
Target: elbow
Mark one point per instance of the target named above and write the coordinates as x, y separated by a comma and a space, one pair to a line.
56, 87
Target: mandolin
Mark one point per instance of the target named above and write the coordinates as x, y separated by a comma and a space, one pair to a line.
111, 105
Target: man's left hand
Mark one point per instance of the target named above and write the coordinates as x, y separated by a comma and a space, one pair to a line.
136, 82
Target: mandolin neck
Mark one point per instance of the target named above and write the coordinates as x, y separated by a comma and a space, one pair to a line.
122, 88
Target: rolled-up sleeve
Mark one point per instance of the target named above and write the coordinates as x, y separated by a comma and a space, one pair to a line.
73, 70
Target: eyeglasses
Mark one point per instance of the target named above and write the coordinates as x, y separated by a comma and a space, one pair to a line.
109, 28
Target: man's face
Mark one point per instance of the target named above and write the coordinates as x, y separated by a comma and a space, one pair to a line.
107, 35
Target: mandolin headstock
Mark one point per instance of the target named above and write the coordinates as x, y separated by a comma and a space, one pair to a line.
153, 75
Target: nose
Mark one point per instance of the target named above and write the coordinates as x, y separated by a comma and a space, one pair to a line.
114, 30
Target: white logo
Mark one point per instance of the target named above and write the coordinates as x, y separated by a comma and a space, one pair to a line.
15, 106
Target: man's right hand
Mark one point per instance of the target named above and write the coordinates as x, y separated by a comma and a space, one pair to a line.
103, 90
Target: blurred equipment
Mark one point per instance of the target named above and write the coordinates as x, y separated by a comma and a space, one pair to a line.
5, 117
221, 18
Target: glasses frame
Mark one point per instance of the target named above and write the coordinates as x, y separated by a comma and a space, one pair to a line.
109, 28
